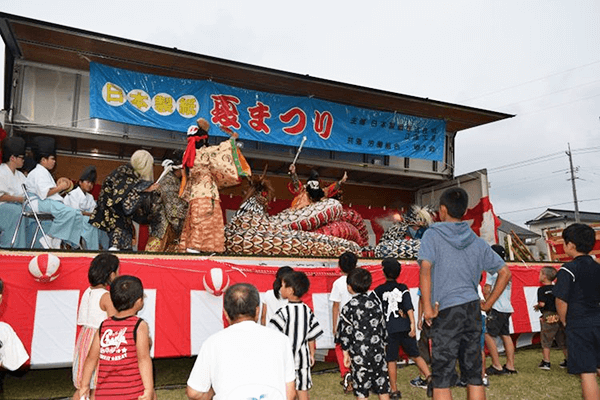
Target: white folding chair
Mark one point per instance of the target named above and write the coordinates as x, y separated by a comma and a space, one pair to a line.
28, 212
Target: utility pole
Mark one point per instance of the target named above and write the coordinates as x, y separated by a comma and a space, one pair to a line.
577, 219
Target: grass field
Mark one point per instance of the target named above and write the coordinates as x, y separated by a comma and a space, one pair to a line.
530, 383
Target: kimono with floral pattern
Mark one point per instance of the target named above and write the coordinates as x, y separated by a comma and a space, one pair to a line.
363, 334
120, 200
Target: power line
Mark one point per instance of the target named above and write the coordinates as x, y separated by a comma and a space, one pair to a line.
546, 206
518, 164
559, 105
547, 94
540, 159
531, 81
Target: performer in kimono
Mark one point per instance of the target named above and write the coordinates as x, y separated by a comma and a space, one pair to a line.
124, 198
81, 199
170, 210
11, 192
67, 224
312, 192
210, 168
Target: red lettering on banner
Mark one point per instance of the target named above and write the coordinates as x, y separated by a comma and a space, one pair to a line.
258, 114
323, 124
224, 111
288, 116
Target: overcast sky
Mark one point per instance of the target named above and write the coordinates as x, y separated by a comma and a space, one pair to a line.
539, 60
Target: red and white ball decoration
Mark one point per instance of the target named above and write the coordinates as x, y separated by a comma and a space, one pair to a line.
44, 267
216, 281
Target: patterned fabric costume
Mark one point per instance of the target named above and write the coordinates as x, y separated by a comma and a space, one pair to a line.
363, 334
170, 214
120, 198
301, 197
253, 231
403, 239
215, 167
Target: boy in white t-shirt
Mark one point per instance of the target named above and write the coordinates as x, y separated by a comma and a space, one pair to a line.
339, 297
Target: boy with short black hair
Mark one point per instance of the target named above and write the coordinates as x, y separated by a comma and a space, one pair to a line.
122, 347
452, 259
363, 337
400, 323
577, 293
298, 322
551, 327
339, 297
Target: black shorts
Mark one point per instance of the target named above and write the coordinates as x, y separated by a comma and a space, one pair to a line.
424, 343
456, 335
584, 349
498, 323
397, 339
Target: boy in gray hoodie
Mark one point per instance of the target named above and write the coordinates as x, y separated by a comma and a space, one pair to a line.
452, 259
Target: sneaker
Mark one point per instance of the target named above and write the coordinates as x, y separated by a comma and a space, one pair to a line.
545, 365
491, 370
347, 383
486, 381
508, 371
563, 364
429, 388
419, 382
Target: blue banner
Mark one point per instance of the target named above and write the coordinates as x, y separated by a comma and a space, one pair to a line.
174, 104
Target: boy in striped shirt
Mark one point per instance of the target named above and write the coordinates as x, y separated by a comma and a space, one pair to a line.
298, 322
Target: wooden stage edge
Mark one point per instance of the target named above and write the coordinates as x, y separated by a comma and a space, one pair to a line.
310, 262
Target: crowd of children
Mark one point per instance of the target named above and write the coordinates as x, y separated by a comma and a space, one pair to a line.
112, 354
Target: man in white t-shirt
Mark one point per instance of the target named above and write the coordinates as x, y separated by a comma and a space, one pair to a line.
339, 297
245, 360
11, 192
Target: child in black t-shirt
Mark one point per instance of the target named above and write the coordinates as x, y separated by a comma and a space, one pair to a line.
400, 322
551, 327
577, 293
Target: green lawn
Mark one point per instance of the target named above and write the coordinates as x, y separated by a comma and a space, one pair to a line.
530, 383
